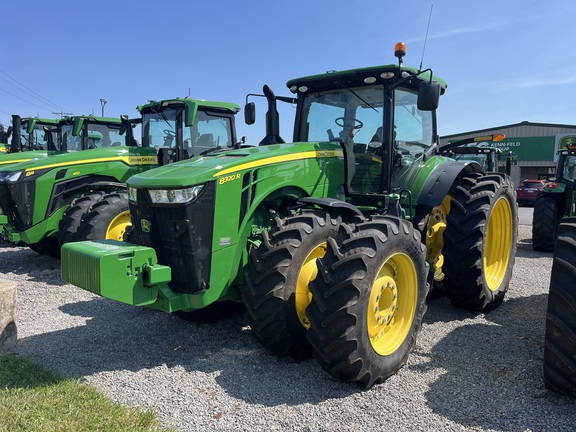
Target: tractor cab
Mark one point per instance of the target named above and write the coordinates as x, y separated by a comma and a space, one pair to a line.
182, 128
566, 167
34, 134
90, 132
383, 117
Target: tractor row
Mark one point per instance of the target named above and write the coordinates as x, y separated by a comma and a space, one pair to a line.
65, 180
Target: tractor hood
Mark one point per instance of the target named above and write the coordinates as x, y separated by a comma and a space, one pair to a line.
218, 165
128, 155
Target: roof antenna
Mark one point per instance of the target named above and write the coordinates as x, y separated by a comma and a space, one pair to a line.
426, 38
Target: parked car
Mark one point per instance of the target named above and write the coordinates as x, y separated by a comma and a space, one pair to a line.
528, 190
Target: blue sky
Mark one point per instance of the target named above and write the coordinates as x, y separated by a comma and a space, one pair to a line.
505, 61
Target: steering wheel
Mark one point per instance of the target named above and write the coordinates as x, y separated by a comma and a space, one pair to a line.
169, 133
357, 123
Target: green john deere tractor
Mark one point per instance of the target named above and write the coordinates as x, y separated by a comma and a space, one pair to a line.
333, 241
557, 200
560, 337
82, 194
487, 156
32, 138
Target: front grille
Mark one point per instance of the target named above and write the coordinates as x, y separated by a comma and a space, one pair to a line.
181, 235
17, 201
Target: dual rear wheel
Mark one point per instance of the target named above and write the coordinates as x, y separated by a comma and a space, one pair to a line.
96, 216
363, 300
92, 216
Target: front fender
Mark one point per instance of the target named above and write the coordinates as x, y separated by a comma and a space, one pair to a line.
347, 210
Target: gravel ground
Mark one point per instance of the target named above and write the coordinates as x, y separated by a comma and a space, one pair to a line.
467, 372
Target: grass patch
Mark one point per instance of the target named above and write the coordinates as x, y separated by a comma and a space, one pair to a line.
33, 398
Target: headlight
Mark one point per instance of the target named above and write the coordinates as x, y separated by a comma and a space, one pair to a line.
10, 176
175, 196
132, 194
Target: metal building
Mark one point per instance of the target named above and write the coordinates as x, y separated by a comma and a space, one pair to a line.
535, 145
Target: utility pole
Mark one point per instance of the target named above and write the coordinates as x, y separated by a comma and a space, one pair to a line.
103, 102
62, 114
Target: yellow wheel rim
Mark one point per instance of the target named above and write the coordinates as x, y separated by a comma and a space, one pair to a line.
498, 244
435, 236
392, 304
308, 273
117, 228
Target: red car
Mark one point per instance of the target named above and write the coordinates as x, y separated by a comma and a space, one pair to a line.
528, 190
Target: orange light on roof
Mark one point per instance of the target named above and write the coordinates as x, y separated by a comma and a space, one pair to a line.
400, 49
498, 137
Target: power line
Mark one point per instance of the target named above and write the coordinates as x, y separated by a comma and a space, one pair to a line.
18, 97
8, 114
29, 91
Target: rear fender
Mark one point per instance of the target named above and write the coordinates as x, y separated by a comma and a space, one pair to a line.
439, 184
440, 181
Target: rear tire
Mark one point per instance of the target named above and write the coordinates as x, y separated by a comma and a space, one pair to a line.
109, 218
480, 241
560, 338
368, 300
68, 225
278, 277
544, 228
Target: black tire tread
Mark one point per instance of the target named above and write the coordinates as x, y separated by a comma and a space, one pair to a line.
467, 221
560, 336
68, 225
544, 228
269, 297
337, 331
96, 220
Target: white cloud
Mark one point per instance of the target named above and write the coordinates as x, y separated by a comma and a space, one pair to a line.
542, 81
455, 32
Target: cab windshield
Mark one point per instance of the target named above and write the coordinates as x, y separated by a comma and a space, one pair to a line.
39, 139
209, 131
569, 168
98, 136
355, 117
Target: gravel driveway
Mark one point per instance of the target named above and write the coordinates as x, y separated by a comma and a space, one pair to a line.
467, 372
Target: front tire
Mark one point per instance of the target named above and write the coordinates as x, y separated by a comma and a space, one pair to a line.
278, 277
544, 228
68, 225
109, 218
368, 300
560, 338
480, 241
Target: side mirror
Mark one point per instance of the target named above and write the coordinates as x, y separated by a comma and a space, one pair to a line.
250, 113
428, 95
